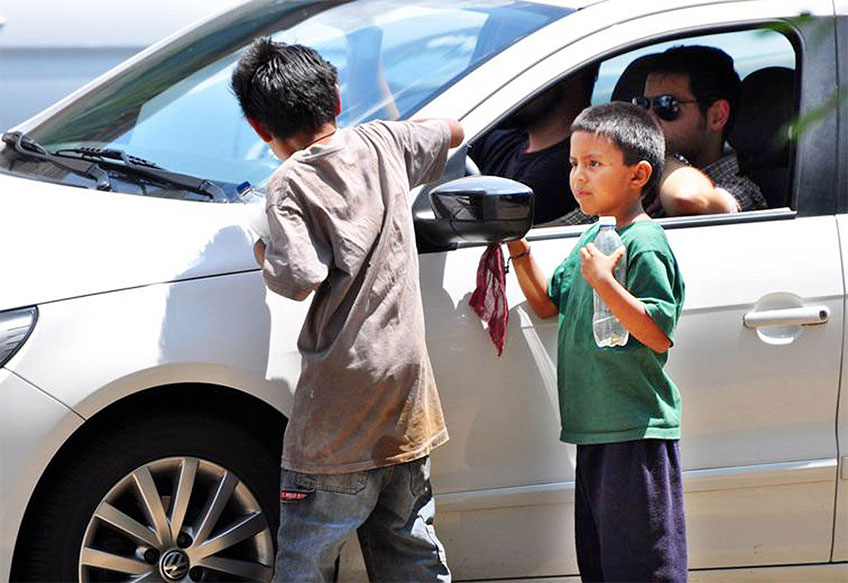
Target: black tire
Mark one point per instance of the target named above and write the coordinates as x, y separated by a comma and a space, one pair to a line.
49, 547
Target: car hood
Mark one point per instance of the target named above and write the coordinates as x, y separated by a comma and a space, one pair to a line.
59, 242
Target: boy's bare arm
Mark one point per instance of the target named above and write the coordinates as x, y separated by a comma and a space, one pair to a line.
597, 271
457, 134
533, 282
259, 252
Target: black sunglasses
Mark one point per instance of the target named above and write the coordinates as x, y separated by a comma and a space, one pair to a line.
667, 107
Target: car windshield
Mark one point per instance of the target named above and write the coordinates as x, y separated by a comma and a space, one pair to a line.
175, 107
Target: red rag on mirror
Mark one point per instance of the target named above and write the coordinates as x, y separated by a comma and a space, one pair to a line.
489, 299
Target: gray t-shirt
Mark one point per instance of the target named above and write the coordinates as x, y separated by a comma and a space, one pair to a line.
341, 226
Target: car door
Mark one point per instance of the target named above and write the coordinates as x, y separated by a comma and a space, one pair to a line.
759, 450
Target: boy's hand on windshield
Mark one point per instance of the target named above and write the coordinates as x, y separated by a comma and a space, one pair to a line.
259, 252
597, 267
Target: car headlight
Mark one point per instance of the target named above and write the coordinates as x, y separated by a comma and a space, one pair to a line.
15, 328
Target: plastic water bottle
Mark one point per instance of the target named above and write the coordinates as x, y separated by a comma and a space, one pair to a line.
255, 218
606, 327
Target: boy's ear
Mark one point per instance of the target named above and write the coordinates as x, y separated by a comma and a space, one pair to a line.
640, 174
338, 100
260, 130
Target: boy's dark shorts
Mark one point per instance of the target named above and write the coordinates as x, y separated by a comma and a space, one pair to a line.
629, 521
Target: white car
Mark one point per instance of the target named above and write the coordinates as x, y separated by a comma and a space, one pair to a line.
146, 375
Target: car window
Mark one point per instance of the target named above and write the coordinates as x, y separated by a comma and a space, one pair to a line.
751, 50
765, 61
757, 135
175, 108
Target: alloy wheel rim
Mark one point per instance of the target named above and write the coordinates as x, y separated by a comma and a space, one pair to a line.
178, 519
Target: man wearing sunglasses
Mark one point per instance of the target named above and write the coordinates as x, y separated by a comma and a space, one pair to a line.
693, 90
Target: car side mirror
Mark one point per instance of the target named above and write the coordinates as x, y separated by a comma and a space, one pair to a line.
483, 209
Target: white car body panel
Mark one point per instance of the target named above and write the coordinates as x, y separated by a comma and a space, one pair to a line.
40, 424
90, 242
840, 523
227, 343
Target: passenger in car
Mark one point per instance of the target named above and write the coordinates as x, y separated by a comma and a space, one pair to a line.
531, 146
617, 403
693, 91
366, 412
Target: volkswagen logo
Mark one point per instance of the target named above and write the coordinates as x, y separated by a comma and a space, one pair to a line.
174, 565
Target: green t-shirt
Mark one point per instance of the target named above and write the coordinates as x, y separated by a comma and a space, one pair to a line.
622, 393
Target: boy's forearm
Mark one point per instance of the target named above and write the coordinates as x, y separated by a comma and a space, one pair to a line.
457, 134
632, 314
532, 280
259, 252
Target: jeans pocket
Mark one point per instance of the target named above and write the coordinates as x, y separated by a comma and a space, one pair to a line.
419, 477
352, 483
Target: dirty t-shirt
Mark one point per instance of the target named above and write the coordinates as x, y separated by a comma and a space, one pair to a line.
341, 226
622, 393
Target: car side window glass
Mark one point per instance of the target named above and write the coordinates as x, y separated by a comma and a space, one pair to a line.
749, 159
757, 133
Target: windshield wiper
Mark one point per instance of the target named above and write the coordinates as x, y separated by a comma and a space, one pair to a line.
90, 162
112, 153
26, 146
123, 162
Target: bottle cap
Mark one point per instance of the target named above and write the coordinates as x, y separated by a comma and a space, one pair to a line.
243, 187
606, 221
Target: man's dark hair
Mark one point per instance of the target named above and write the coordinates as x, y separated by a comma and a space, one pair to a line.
632, 129
711, 75
563, 91
286, 88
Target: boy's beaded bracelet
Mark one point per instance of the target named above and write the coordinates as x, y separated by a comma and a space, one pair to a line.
520, 255
513, 258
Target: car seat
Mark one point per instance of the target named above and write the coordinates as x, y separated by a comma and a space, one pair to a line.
760, 131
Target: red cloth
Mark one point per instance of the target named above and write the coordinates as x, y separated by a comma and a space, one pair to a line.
489, 299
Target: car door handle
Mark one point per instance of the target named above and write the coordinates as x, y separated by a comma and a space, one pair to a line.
805, 316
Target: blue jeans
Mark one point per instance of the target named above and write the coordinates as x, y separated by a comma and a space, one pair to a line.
391, 509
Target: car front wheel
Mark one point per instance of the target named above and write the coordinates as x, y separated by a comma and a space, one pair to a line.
171, 498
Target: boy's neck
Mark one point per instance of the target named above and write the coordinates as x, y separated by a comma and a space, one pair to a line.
631, 215
303, 140
322, 136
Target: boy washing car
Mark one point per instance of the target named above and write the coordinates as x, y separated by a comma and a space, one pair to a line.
366, 412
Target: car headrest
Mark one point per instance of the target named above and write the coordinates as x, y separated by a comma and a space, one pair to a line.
631, 83
765, 109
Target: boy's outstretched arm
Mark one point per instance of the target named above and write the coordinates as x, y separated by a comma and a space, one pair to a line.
597, 271
533, 282
457, 134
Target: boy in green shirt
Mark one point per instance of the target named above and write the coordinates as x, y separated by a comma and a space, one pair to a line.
617, 403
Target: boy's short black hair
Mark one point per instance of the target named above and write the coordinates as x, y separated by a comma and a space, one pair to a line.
286, 88
711, 75
632, 129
